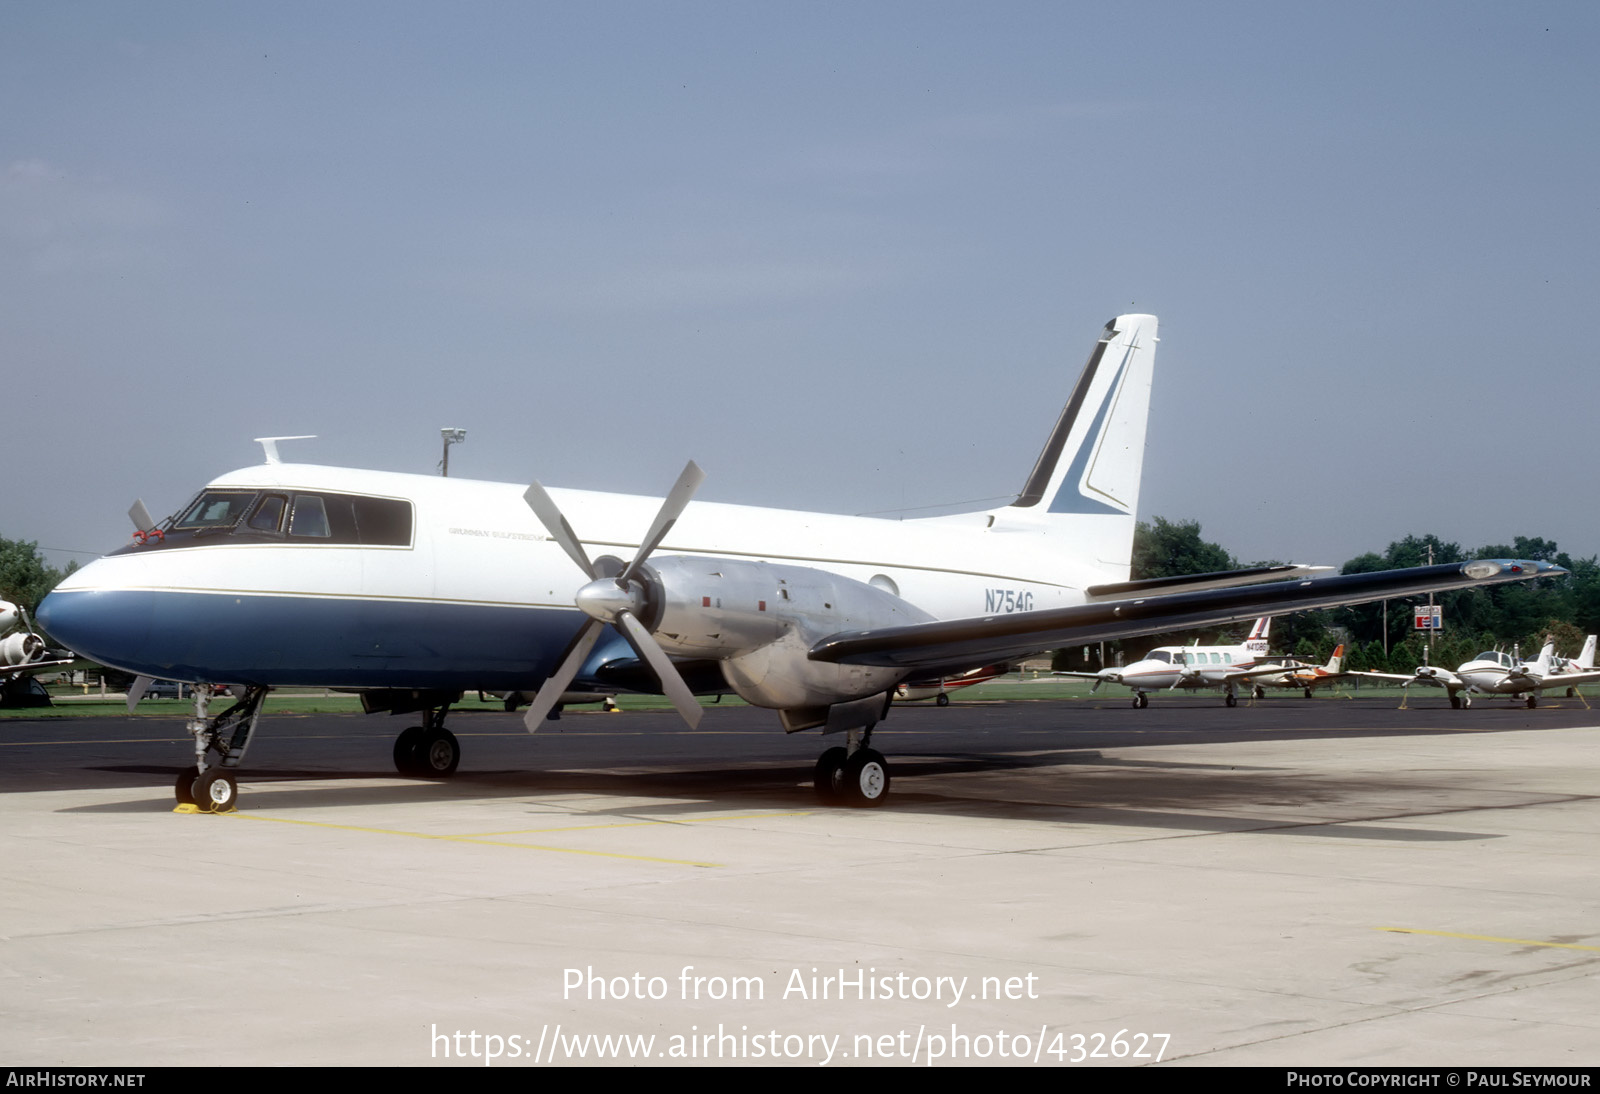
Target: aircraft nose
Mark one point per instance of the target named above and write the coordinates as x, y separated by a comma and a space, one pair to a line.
57, 618
93, 624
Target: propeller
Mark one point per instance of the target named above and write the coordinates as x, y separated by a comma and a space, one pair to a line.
617, 599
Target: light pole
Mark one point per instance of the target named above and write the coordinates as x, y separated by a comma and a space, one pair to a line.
451, 436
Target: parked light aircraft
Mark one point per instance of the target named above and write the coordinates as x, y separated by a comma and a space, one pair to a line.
1193, 667
939, 690
414, 589
1308, 678
1495, 672
22, 650
1584, 662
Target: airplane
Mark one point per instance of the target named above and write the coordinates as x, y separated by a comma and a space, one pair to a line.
1495, 672
1584, 662
22, 654
1193, 667
915, 690
22, 650
1305, 677
415, 589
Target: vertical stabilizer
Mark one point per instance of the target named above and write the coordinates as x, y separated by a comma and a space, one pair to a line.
1585, 659
1085, 485
1336, 662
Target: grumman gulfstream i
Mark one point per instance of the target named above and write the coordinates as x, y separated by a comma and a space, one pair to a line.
414, 589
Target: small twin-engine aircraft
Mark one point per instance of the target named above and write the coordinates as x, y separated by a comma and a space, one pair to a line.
1495, 672
415, 589
1194, 667
1308, 678
22, 650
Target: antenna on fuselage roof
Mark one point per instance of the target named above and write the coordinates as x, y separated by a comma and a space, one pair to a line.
270, 444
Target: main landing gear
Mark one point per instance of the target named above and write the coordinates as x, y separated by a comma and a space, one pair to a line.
220, 743
428, 751
853, 775
1140, 700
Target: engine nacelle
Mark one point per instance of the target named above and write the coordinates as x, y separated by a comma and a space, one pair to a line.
20, 649
760, 619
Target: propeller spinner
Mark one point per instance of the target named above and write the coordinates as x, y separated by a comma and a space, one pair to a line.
618, 600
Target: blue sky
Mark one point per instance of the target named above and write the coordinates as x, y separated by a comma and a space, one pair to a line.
847, 256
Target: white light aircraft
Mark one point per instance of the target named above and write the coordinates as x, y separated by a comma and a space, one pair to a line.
1193, 667
1495, 672
414, 589
21, 650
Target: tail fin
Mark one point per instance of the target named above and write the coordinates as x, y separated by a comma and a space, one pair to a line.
1547, 654
1086, 481
1585, 659
1336, 662
1257, 642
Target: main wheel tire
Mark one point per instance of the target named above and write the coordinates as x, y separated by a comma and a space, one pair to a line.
438, 754
1533, 701
1455, 702
1308, 693
405, 751
829, 777
866, 778
1230, 701
1141, 701
943, 700
184, 787
1258, 693
216, 791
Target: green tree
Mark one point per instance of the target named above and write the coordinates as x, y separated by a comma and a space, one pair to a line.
1165, 548
24, 575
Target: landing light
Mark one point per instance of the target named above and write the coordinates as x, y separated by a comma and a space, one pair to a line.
1482, 568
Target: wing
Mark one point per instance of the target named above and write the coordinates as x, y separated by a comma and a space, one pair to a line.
1002, 637
1569, 679
1265, 670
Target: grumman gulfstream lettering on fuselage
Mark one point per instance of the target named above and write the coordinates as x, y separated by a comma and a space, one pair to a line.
414, 589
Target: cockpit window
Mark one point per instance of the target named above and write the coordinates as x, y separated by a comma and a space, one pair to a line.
310, 517
1159, 655
215, 509
268, 516
272, 515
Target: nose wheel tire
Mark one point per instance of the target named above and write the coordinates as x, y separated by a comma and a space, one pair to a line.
216, 791
184, 787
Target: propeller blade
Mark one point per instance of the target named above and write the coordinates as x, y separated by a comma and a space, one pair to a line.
671, 509
550, 516
551, 691
672, 685
142, 520
141, 684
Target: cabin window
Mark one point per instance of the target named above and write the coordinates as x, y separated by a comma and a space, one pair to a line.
383, 522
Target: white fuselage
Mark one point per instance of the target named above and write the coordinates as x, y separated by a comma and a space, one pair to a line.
478, 562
